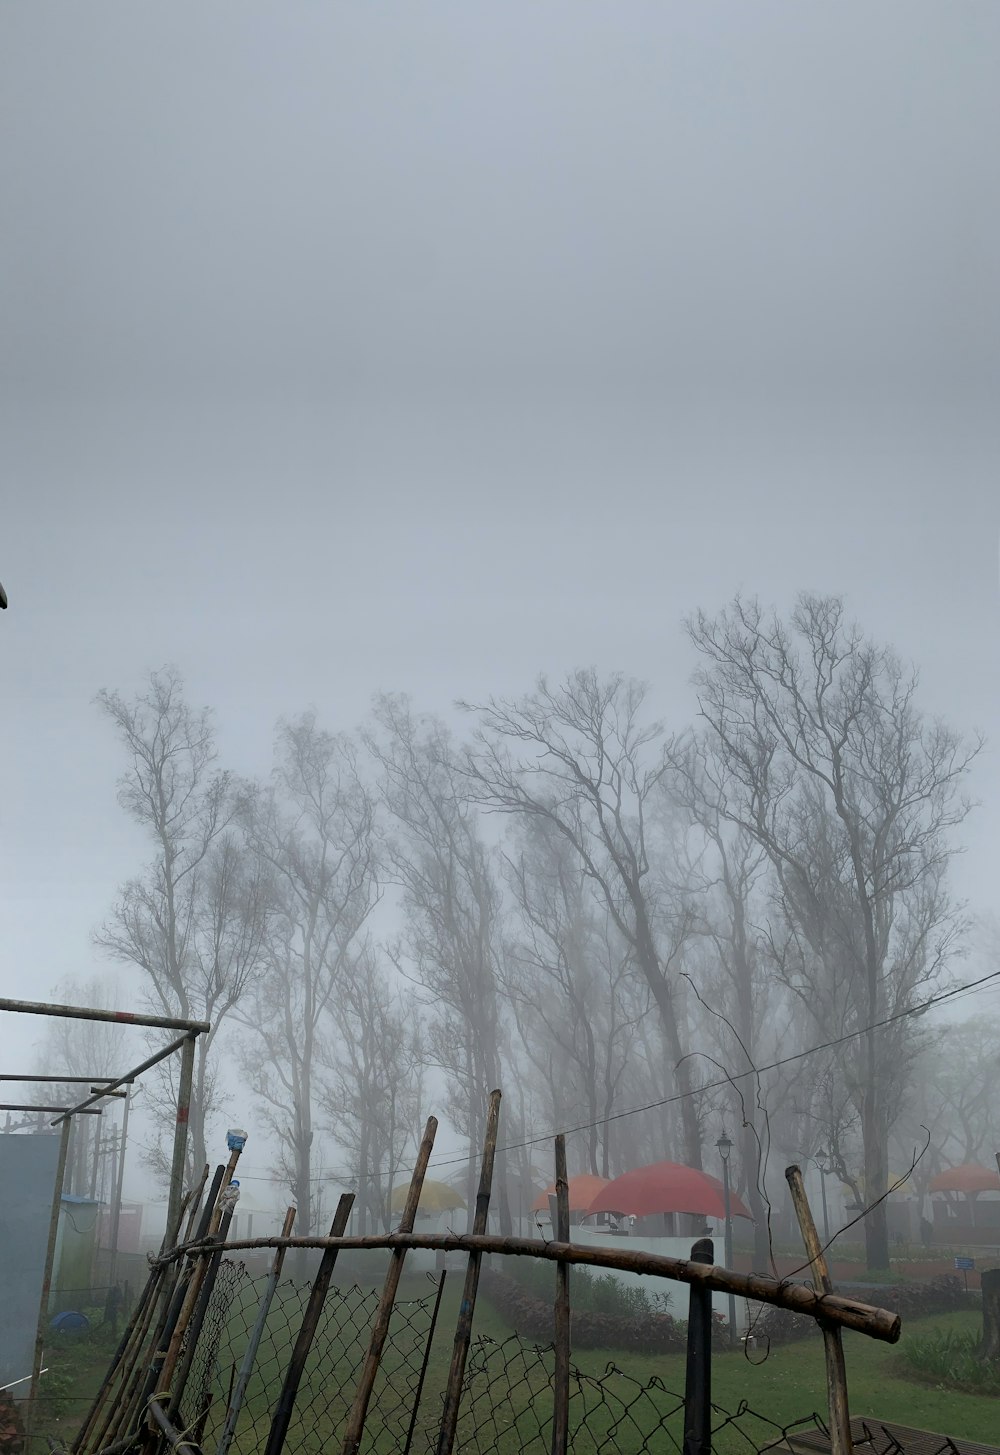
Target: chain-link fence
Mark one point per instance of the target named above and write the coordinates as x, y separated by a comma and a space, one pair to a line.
331, 1371
507, 1400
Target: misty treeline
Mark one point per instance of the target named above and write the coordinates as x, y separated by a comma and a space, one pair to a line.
613, 921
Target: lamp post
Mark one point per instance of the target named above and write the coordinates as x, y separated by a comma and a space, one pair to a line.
724, 1146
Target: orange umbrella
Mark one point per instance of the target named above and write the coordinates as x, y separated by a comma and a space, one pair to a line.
969, 1178
582, 1191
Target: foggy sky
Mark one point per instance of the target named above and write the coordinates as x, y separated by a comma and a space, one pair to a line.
425, 347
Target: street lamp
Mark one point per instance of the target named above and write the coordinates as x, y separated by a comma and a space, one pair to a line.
724, 1146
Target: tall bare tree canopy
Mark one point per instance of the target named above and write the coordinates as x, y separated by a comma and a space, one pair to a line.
584, 757
193, 922
313, 829
852, 794
452, 902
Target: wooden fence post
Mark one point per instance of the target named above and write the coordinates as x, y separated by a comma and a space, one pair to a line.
841, 1442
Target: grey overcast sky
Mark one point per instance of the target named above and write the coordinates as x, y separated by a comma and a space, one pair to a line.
426, 346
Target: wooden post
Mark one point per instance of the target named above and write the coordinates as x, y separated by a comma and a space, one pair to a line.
836, 1370
463, 1329
380, 1326
560, 1390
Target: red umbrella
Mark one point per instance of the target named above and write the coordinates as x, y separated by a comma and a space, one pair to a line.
581, 1190
970, 1177
665, 1187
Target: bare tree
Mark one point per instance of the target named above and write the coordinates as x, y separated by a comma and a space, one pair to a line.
735, 979
852, 794
572, 986
314, 831
581, 757
193, 922
84, 1048
374, 1080
452, 901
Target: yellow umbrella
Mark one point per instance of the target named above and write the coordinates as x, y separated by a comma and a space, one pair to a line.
435, 1197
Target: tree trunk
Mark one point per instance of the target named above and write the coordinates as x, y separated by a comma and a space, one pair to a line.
761, 1242
989, 1344
876, 1181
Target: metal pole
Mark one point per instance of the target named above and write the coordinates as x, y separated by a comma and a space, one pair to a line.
698, 1374
130, 1076
729, 1247
59, 1080
180, 1130
94, 1111
116, 1211
116, 1017
50, 1257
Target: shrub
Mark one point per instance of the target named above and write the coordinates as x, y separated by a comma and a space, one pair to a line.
641, 1329
948, 1359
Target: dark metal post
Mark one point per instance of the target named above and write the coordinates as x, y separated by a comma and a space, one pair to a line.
560, 1376
698, 1377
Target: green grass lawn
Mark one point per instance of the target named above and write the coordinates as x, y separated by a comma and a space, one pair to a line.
508, 1401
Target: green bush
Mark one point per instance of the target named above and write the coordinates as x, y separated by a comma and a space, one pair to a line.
948, 1360
590, 1293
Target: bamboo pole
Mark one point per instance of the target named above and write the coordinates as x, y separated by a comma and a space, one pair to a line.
180, 1379
132, 1344
849, 1313
380, 1324
175, 1300
198, 1275
833, 1347
307, 1329
463, 1329
175, 1438
560, 1389
118, 1358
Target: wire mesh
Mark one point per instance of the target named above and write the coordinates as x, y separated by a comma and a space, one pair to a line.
507, 1408
331, 1371
507, 1396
